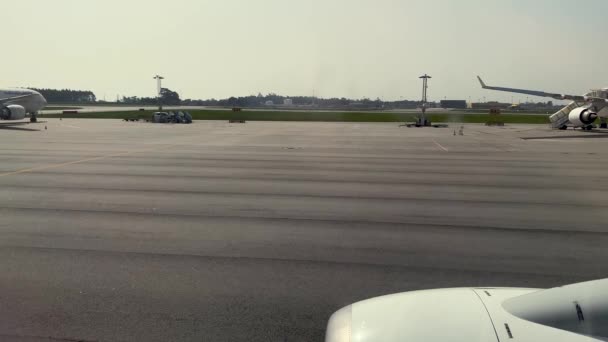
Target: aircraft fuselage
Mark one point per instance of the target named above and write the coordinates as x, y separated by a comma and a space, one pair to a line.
32, 104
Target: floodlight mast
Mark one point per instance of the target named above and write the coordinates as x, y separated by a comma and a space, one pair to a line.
159, 79
425, 86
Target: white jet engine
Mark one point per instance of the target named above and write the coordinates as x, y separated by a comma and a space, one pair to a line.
573, 313
12, 112
582, 116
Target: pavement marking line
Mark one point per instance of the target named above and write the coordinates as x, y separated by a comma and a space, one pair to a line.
53, 166
440, 146
64, 125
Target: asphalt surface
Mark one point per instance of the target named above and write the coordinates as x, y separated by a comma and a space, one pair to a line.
115, 231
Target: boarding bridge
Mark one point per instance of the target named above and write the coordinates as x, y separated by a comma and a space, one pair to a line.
560, 118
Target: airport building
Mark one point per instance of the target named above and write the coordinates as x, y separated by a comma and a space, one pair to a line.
459, 104
490, 105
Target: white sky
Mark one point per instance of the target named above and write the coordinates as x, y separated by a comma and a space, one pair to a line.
351, 48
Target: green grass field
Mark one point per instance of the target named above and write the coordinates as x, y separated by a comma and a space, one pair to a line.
320, 116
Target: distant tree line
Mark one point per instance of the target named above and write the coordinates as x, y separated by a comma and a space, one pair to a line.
172, 98
279, 100
168, 97
66, 95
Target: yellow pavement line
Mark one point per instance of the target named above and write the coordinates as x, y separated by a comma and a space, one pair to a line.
53, 166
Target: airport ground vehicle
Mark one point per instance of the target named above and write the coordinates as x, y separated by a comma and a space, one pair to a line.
172, 117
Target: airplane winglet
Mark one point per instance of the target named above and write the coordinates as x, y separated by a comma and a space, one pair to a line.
483, 85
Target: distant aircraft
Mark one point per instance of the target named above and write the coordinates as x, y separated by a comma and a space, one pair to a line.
581, 112
570, 313
16, 103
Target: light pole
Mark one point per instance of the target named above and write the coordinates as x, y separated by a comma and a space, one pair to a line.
159, 79
425, 78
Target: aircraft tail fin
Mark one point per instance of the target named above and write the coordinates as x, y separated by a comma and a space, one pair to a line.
483, 85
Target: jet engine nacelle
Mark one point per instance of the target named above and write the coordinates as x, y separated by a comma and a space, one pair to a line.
582, 116
12, 112
573, 313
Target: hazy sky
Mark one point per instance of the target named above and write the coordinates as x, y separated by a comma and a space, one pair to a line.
351, 48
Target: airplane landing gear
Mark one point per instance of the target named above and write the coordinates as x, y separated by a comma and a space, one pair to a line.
34, 117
